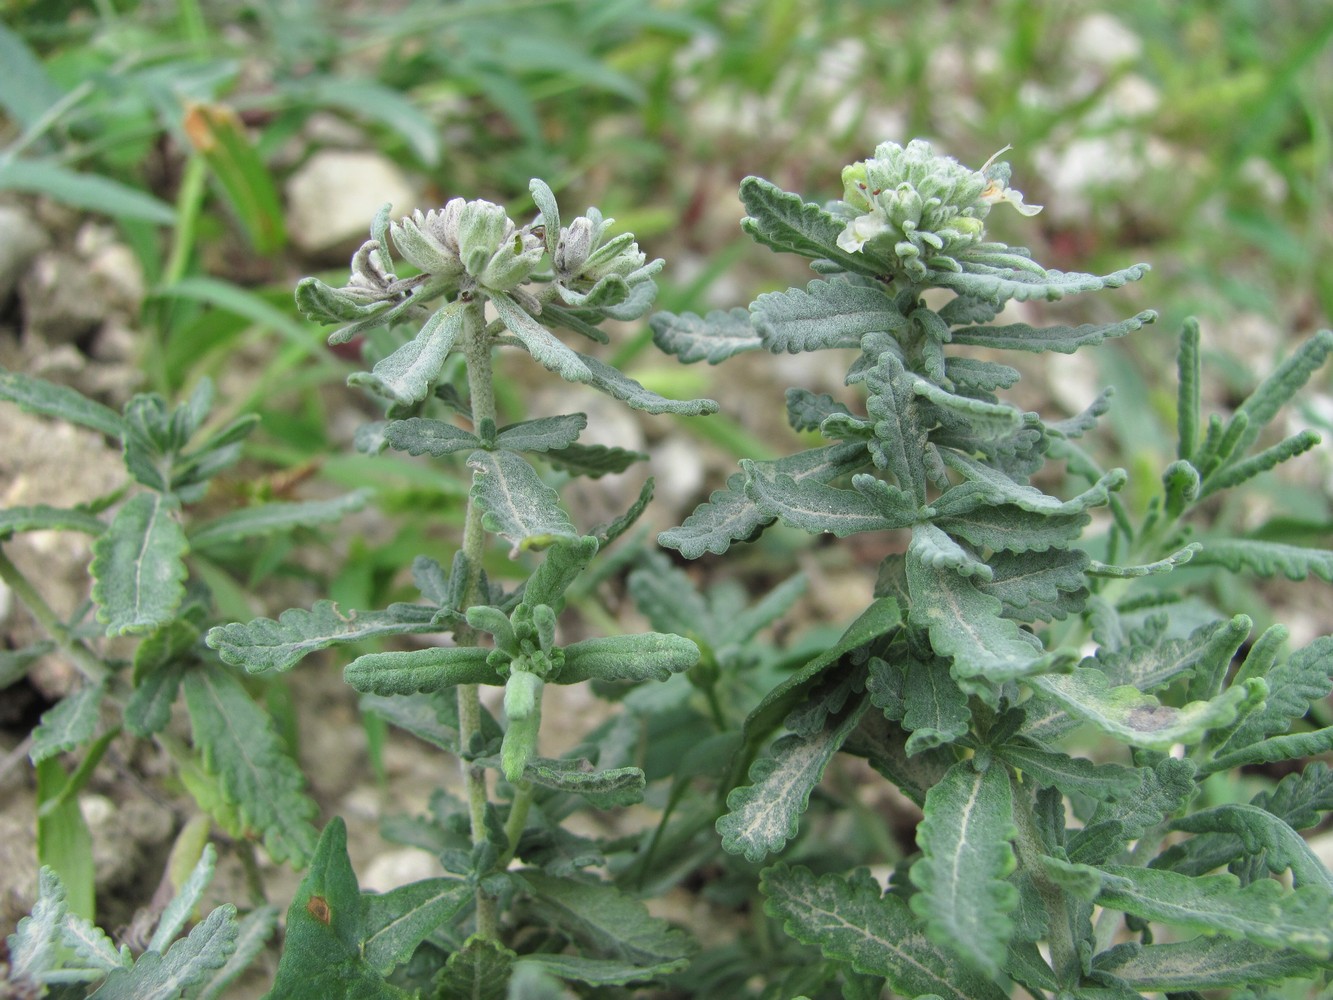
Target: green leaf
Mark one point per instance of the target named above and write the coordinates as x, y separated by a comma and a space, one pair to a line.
787, 223
595, 971
33, 947
395, 922
252, 935
608, 532
264, 644
182, 906
409, 374
563, 563
1274, 750
1278, 388
1300, 797
850, 920
137, 568
936, 711
1204, 963
609, 923
964, 839
1263, 911
36, 395
31, 93
1007, 528
69, 724
545, 348
1262, 835
763, 815
422, 436
1230, 475
1034, 586
420, 670
988, 487
218, 135
1266, 558
89, 192
606, 789
1071, 775
880, 618
644, 656
238, 744
44, 518
730, 515
1151, 661
900, 434
272, 518
815, 507
1304, 679
1024, 286
517, 504
826, 314
965, 625
806, 410
187, 964
321, 956
542, 434
1139, 719
938, 551
592, 460
480, 970
712, 338
1177, 558
1189, 376
1064, 339
618, 385
148, 709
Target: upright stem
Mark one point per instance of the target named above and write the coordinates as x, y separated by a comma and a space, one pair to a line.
83, 658
477, 352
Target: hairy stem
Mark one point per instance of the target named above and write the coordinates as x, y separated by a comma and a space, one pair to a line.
477, 352
83, 658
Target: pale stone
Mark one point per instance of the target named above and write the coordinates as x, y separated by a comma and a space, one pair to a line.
401, 867
334, 195
21, 239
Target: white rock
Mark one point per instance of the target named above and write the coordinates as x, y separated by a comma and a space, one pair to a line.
21, 238
334, 195
1101, 40
394, 868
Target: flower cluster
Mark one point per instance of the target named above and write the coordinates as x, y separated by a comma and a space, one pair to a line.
919, 207
473, 238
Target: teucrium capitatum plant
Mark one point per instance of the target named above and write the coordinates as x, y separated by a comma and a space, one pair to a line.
1000, 626
543, 275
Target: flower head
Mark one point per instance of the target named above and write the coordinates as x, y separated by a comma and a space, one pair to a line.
923, 208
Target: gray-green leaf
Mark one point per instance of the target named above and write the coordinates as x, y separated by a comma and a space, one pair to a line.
712, 338
409, 374
138, 569
826, 314
1064, 339
271, 518
644, 656
69, 724
517, 504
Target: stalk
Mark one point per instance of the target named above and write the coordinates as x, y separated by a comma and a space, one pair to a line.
83, 658
481, 389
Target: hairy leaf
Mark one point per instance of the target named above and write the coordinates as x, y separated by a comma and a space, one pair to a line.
138, 570
1025, 286
618, 385
1263, 911
763, 815
545, 348
1299, 798
252, 935
608, 922
70, 723
270, 518
1071, 775
423, 436
789, 224
1278, 388
937, 550
420, 670
1262, 834
605, 789
730, 515
542, 434
1064, 339
264, 644
712, 338
965, 624
1230, 475
1151, 661
51, 400
826, 314
815, 507
409, 374
592, 460
1035, 586
517, 504
480, 970
33, 947
44, 518
563, 562
936, 711
987, 486
186, 964
1204, 963
395, 922
596, 971
644, 656
240, 747
1266, 558
964, 839
1007, 528
900, 435
850, 920
182, 906
1273, 750
1139, 719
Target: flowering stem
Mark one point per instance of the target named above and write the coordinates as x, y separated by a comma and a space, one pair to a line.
477, 352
